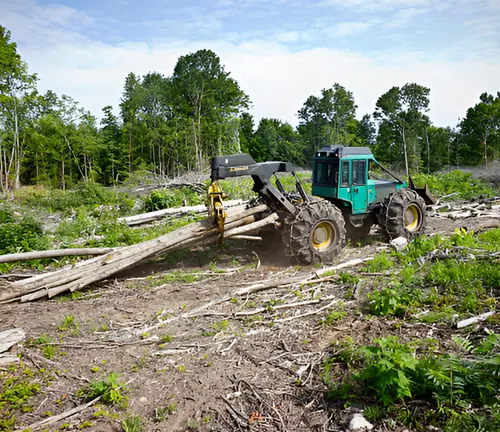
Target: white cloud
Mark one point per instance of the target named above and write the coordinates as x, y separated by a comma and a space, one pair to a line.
348, 28
277, 78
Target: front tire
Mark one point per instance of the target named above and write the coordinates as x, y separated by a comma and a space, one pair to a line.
403, 215
315, 234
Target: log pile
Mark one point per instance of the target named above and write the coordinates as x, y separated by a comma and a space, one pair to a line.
485, 208
102, 267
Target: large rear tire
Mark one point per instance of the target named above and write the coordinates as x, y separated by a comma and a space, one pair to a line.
403, 215
315, 234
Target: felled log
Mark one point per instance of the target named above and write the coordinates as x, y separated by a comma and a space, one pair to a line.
55, 253
102, 267
9, 338
171, 212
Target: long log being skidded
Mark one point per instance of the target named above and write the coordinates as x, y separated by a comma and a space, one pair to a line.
172, 212
102, 267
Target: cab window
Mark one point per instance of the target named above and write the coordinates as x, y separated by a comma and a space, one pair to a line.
345, 174
359, 173
327, 173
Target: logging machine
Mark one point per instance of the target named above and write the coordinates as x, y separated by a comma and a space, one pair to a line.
351, 192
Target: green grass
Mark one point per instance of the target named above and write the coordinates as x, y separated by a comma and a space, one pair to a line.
462, 183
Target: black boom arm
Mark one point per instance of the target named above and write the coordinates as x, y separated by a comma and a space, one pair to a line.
242, 165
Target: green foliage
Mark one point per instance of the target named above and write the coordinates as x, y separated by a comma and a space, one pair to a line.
110, 389
457, 182
389, 301
86, 194
379, 263
166, 198
132, 424
69, 324
392, 372
216, 327
22, 234
333, 317
348, 278
15, 393
163, 413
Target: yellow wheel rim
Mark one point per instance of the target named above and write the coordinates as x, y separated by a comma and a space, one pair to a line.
323, 235
413, 217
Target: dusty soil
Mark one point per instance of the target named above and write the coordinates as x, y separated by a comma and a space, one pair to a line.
223, 371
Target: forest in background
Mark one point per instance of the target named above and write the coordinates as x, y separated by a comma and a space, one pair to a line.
170, 125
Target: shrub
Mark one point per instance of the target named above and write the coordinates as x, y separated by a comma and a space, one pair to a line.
164, 198
456, 181
393, 372
22, 235
86, 194
109, 389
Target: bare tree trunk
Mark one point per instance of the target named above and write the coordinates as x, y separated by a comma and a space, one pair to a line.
130, 151
485, 152
196, 150
428, 152
63, 180
405, 151
17, 153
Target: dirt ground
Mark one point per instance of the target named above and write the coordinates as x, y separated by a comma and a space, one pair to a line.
219, 370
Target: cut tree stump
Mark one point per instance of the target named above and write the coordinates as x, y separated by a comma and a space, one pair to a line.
102, 267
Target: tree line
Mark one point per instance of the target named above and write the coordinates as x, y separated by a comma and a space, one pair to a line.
169, 125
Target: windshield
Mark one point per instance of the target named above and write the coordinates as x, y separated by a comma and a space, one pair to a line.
326, 172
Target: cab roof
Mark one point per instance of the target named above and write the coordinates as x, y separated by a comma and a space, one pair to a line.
341, 151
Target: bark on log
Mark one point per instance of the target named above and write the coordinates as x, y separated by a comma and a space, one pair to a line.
55, 253
102, 267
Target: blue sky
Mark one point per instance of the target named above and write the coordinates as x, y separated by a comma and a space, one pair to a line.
280, 51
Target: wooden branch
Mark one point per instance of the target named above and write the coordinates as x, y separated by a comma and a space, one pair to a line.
246, 237
474, 320
309, 313
55, 253
282, 306
352, 263
54, 419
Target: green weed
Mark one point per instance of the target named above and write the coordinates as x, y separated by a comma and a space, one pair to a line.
132, 424
348, 278
69, 324
216, 327
110, 389
163, 413
333, 317
379, 263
